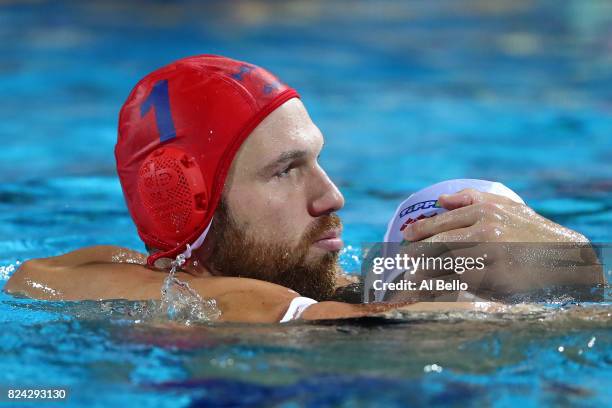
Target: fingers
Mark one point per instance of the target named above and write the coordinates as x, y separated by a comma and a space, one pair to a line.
488, 230
467, 208
469, 234
422, 250
470, 196
460, 199
427, 227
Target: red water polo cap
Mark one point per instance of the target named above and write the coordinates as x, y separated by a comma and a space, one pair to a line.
179, 131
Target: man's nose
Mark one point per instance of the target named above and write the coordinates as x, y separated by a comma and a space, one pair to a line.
326, 196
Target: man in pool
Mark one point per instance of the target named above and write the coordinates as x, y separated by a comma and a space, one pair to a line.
218, 161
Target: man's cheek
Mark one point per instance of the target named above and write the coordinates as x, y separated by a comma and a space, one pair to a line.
272, 229
279, 219
253, 215
289, 232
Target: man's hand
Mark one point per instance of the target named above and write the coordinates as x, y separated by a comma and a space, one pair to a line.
476, 217
486, 217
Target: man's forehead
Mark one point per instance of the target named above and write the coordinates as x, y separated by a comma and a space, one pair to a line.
288, 128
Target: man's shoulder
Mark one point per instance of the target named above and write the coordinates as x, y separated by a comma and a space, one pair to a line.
76, 274
245, 299
112, 272
97, 254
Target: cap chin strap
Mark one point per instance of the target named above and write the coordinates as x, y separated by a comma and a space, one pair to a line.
161, 260
198, 242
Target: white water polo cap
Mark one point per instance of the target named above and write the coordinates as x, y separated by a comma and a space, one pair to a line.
424, 203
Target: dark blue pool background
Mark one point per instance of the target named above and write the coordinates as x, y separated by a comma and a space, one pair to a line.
406, 94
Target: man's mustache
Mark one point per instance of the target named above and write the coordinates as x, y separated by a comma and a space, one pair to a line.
320, 226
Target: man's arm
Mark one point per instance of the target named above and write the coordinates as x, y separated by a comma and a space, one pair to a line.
81, 276
92, 274
99, 272
94, 254
476, 217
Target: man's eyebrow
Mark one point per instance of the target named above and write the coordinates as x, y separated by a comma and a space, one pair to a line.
283, 158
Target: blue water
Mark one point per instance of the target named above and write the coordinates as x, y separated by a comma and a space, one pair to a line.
406, 94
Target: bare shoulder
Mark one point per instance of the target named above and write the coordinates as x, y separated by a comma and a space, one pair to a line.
111, 272
244, 299
94, 254
86, 273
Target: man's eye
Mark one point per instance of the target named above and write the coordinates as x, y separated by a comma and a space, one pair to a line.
284, 173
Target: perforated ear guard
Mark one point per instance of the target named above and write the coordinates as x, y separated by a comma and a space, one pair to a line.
173, 192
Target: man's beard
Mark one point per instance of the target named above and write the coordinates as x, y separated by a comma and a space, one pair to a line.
236, 254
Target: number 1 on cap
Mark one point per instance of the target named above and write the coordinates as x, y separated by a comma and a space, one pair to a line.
159, 99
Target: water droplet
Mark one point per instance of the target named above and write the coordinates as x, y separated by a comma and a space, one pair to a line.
591, 342
432, 368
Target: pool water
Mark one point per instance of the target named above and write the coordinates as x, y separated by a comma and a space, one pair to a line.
407, 94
